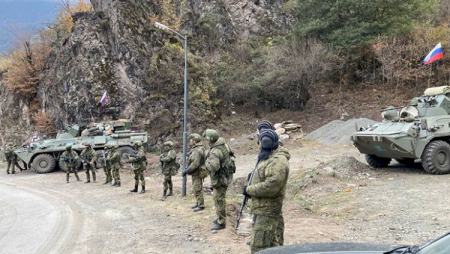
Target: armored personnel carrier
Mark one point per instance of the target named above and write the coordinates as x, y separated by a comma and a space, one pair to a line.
420, 130
42, 154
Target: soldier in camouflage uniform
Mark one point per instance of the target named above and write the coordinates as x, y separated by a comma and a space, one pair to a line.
139, 165
267, 190
168, 161
195, 160
114, 160
11, 158
88, 157
107, 166
217, 154
260, 127
70, 158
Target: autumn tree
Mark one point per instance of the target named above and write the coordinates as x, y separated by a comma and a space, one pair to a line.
64, 22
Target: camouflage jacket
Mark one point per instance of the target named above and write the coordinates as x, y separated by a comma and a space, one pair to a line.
9, 153
268, 185
196, 159
139, 162
89, 155
70, 155
168, 158
114, 158
214, 159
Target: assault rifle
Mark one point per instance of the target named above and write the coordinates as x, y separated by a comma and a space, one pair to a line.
93, 167
69, 159
245, 197
104, 158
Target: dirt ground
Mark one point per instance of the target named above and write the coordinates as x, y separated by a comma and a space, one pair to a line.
332, 196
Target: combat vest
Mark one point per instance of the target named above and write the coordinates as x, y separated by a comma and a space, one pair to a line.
224, 175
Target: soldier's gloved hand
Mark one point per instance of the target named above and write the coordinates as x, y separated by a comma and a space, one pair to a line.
244, 191
184, 173
66, 159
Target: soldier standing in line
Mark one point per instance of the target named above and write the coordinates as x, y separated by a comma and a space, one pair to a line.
11, 158
114, 160
107, 166
168, 163
139, 162
217, 155
260, 127
89, 156
267, 189
70, 158
195, 161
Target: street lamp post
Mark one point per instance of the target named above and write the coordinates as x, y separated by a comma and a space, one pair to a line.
164, 27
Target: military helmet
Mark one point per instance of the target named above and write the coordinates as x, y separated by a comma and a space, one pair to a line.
211, 135
196, 137
68, 146
115, 146
168, 143
87, 144
137, 143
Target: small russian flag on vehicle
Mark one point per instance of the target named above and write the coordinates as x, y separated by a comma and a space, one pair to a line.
104, 99
435, 54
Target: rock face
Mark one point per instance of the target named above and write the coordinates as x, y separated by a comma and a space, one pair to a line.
117, 49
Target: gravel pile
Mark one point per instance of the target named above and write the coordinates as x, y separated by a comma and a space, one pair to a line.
338, 132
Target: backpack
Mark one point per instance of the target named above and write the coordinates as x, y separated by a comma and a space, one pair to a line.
203, 171
228, 165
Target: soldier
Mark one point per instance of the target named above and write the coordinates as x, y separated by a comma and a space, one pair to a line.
168, 163
107, 166
89, 156
70, 158
260, 127
115, 162
139, 162
267, 190
11, 158
217, 155
195, 161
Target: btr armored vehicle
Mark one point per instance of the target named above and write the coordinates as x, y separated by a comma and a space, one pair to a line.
420, 130
42, 154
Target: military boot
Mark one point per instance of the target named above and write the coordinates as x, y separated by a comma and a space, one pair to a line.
114, 184
88, 181
163, 197
170, 192
135, 189
118, 184
218, 227
143, 189
7, 172
94, 177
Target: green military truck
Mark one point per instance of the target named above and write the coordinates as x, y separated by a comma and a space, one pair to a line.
42, 155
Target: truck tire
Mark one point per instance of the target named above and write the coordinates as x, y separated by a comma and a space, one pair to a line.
436, 158
43, 163
63, 167
377, 162
126, 150
100, 162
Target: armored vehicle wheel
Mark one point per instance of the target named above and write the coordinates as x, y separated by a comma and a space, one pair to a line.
126, 150
436, 157
63, 167
43, 163
377, 162
406, 161
100, 163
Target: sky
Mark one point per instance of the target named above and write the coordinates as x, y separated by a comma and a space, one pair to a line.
24, 15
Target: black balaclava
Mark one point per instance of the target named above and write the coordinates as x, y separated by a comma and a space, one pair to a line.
269, 142
264, 125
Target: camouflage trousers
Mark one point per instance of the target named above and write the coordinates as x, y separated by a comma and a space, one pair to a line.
197, 183
89, 168
220, 203
12, 164
139, 175
280, 230
108, 174
72, 169
167, 182
116, 174
264, 232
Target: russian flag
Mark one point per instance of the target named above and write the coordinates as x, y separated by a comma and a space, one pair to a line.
104, 99
434, 54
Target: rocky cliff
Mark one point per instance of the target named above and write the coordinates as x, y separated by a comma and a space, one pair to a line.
117, 49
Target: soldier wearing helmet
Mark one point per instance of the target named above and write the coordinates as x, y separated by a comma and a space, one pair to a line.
115, 162
11, 158
168, 167
107, 167
139, 165
89, 156
70, 159
194, 163
218, 153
